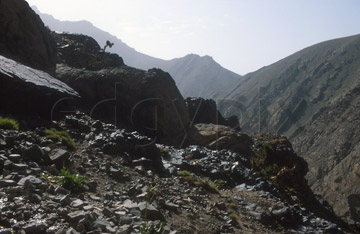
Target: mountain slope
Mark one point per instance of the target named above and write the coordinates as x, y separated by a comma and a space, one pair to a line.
195, 76
312, 97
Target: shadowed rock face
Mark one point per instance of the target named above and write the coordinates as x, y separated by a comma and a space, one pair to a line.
312, 97
24, 37
30, 91
205, 111
81, 51
144, 100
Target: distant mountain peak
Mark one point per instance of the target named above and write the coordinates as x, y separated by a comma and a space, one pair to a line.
195, 75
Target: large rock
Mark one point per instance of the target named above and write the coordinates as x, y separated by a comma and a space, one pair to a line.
23, 36
81, 51
205, 111
148, 101
29, 91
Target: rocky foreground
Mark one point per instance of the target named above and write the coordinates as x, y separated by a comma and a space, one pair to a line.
133, 185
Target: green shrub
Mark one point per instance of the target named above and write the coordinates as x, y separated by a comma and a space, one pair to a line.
7, 123
207, 185
183, 173
62, 136
73, 182
164, 152
150, 228
233, 217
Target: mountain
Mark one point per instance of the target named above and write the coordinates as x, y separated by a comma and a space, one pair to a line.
312, 97
195, 76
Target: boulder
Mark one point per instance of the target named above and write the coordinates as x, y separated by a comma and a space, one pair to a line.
32, 92
24, 36
81, 51
147, 101
218, 137
205, 111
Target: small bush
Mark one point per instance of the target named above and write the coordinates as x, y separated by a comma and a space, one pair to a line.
7, 123
62, 136
164, 152
183, 173
233, 217
150, 228
207, 185
73, 182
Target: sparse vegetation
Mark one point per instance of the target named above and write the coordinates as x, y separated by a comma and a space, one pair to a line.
207, 185
62, 136
108, 44
73, 182
150, 228
184, 173
204, 183
7, 123
233, 217
164, 152
262, 162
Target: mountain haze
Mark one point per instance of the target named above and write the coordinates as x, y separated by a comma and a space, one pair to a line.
313, 97
198, 76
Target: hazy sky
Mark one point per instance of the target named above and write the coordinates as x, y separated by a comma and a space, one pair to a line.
242, 35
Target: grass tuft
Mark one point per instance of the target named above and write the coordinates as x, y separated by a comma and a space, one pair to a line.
7, 123
62, 136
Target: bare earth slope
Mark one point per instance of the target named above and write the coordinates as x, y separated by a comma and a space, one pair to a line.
312, 97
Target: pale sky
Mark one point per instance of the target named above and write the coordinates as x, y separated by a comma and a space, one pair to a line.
242, 35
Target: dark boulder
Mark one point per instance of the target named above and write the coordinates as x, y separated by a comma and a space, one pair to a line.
81, 51
31, 92
24, 36
147, 101
205, 111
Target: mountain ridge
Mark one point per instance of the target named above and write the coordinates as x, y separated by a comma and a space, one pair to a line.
300, 96
200, 80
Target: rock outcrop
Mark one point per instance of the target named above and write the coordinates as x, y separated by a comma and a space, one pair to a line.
205, 111
81, 51
24, 37
147, 101
28, 91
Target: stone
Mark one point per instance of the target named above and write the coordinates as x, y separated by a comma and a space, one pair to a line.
150, 211
35, 227
39, 91
125, 219
59, 157
101, 223
34, 153
75, 216
6, 183
77, 203
14, 158
29, 180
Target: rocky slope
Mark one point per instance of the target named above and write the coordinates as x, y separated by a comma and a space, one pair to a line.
132, 186
80, 175
312, 97
195, 76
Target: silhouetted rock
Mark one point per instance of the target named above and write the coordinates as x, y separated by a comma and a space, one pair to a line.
24, 37
29, 91
205, 111
80, 51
